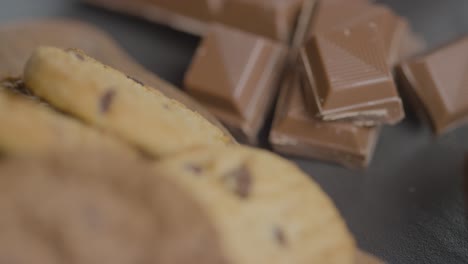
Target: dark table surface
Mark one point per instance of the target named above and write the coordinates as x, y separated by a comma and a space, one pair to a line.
407, 207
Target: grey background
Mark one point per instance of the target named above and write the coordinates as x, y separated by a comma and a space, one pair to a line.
407, 206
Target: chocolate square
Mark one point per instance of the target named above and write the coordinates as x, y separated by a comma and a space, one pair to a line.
297, 132
346, 63
235, 75
271, 18
438, 82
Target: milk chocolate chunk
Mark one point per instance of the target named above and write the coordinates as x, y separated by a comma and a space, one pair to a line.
346, 66
271, 18
204, 10
332, 14
438, 82
190, 16
296, 132
398, 38
235, 74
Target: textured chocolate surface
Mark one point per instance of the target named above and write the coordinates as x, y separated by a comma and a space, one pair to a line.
346, 64
274, 19
439, 82
235, 74
296, 132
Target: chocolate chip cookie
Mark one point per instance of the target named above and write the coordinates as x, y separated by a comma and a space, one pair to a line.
120, 104
265, 208
94, 208
30, 126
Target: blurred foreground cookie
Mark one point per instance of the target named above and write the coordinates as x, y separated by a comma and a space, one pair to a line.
106, 98
29, 126
93, 208
264, 208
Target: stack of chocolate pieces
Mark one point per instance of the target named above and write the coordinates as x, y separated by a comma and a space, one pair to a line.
331, 108
332, 99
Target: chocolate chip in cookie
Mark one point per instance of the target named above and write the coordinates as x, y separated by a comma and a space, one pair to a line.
195, 169
280, 236
16, 85
240, 180
106, 100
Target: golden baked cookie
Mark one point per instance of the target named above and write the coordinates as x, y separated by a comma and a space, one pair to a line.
19, 39
93, 208
30, 126
265, 209
108, 99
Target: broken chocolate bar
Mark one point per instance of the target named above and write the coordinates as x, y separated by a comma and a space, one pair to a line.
438, 82
270, 18
273, 19
346, 64
298, 133
235, 74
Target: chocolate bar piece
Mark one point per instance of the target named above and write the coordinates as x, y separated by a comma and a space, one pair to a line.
332, 14
398, 39
274, 19
204, 10
235, 74
438, 82
297, 132
271, 18
346, 64
190, 16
